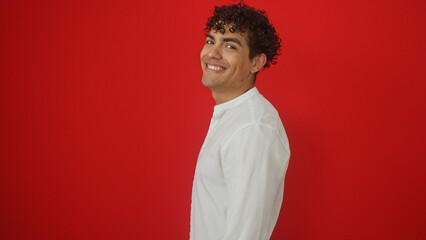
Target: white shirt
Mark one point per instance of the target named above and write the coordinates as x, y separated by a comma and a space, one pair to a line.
239, 179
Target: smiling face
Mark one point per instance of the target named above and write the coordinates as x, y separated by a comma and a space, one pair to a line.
227, 68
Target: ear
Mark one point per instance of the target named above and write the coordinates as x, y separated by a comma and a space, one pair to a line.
258, 62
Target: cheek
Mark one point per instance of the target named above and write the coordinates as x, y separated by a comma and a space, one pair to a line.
201, 53
242, 65
204, 51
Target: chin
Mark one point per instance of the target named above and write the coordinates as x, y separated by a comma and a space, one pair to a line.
205, 82
208, 82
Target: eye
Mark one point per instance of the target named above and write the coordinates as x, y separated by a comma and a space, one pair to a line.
230, 46
208, 41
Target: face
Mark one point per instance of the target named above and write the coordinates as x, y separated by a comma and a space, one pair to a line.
225, 62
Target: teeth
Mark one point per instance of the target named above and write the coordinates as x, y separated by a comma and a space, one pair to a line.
216, 68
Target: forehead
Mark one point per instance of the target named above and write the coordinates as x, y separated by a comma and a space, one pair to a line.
241, 36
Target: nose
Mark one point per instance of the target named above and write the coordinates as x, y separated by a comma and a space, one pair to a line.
214, 52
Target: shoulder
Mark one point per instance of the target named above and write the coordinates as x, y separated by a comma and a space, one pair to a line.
257, 111
257, 134
255, 119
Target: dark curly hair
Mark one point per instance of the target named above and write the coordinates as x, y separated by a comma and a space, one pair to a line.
262, 37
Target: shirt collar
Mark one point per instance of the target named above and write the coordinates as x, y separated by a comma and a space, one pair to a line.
221, 108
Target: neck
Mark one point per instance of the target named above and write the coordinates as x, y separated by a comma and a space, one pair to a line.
225, 96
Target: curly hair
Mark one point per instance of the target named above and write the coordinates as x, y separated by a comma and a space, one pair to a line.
262, 37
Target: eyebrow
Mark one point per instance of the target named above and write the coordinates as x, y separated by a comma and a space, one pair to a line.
227, 39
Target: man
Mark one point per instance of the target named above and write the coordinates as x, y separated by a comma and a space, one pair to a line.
239, 179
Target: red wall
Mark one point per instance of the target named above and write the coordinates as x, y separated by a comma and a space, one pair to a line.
103, 114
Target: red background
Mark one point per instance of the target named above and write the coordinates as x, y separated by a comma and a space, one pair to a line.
103, 114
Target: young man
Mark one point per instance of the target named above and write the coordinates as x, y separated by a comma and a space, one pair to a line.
239, 179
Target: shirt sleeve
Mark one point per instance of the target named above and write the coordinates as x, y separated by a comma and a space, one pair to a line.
254, 162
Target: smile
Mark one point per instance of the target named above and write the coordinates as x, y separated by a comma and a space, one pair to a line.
215, 68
